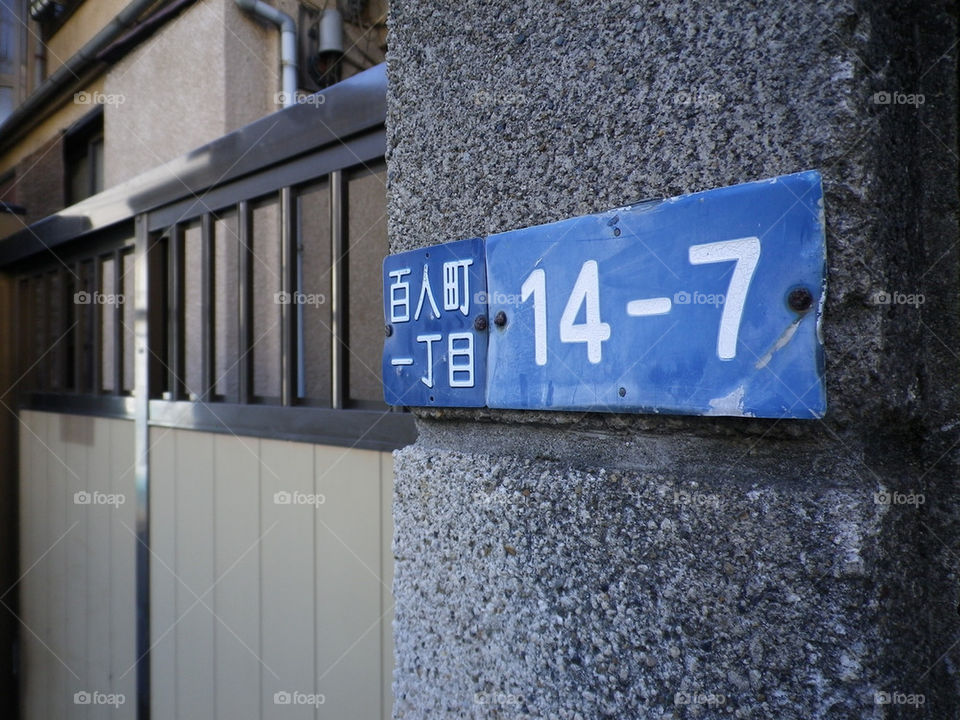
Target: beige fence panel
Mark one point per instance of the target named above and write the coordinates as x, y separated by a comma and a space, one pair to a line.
291, 544
77, 593
270, 574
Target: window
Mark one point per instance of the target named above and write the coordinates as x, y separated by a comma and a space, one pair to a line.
12, 42
51, 14
83, 157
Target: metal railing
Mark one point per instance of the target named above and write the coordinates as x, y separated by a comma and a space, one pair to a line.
79, 356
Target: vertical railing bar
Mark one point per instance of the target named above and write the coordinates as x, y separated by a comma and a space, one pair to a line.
22, 320
244, 292
96, 378
156, 308
54, 330
175, 314
142, 362
288, 309
24, 355
118, 288
337, 305
301, 340
206, 307
43, 323
78, 311
61, 298
30, 338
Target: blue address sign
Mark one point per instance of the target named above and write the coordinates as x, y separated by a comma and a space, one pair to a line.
433, 353
705, 304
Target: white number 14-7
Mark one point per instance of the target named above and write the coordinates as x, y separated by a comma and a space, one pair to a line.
586, 292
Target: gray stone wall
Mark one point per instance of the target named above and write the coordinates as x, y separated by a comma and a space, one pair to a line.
585, 565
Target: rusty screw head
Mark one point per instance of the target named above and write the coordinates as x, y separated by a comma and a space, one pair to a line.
800, 299
388, 330
500, 319
480, 323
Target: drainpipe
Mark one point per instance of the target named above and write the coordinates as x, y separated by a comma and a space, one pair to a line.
291, 325
288, 43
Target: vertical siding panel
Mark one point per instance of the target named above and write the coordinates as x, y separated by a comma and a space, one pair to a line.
123, 578
43, 660
287, 567
195, 560
26, 513
348, 582
386, 572
236, 598
163, 585
57, 485
27, 518
78, 516
33, 586
101, 518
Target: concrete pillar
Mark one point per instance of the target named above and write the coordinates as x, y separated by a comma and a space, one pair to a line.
609, 566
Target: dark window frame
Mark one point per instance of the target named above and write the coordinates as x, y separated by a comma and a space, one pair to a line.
14, 79
80, 144
54, 18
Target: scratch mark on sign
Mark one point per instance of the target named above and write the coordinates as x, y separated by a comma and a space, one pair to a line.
781, 342
730, 404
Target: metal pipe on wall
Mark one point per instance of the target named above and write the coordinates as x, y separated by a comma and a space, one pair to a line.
288, 44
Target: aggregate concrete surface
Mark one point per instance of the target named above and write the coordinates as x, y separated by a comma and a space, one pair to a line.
568, 565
